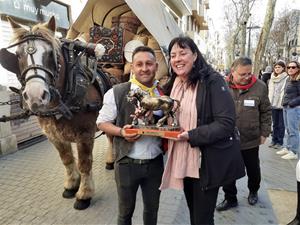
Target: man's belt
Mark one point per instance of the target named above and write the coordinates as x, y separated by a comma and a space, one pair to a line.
127, 159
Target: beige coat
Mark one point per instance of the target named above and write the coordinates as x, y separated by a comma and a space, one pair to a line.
276, 89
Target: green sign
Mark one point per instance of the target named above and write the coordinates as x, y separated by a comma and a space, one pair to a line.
36, 11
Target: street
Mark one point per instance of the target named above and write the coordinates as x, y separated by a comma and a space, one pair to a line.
31, 184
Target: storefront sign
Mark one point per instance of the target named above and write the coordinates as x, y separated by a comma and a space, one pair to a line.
36, 10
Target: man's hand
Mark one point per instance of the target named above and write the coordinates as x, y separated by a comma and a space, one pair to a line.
129, 137
262, 140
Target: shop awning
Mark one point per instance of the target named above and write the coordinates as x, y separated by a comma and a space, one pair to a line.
151, 13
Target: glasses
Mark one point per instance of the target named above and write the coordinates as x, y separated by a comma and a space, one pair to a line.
291, 67
244, 75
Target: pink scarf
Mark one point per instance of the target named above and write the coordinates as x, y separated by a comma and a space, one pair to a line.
183, 160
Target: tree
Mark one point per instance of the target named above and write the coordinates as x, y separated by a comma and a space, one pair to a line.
277, 39
263, 38
237, 14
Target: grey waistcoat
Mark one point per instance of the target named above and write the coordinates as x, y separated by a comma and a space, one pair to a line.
124, 110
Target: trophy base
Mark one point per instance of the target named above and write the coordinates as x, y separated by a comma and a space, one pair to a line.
163, 132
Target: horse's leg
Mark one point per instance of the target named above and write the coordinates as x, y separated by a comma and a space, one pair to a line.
161, 121
174, 118
86, 188
110, 154
72, 177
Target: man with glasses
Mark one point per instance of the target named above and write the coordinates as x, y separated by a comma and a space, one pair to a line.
253, 120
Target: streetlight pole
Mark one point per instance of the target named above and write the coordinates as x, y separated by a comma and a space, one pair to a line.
249, 38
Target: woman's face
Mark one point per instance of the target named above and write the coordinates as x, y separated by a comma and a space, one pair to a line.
182, 60
292, 69
278, 69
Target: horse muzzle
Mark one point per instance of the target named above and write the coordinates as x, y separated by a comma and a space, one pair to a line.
36, 99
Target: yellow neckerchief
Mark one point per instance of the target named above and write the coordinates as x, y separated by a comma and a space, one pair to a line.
150, 90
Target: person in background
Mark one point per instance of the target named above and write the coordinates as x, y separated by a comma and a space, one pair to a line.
254, 123
291, 112
296, 220
206, 154
266, 75
139, 160
276, 91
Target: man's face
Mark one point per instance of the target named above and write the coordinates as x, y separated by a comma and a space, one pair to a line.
242, 74
144, 67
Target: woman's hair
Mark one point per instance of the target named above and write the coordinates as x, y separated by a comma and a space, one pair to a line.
200, 66
294, 61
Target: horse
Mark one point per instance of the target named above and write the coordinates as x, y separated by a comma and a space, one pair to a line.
144, 104
61, 92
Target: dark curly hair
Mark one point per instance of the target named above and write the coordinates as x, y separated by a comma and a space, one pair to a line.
200, 66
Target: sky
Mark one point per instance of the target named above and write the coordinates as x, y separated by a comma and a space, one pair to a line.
216, 10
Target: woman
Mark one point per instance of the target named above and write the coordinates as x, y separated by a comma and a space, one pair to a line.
291, 111
276, 90
206, 154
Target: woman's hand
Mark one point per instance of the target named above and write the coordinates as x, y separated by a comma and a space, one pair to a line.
184, 136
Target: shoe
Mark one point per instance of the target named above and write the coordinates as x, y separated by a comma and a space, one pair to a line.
272, 145
282, 151
252, 198
290, 155
277, 146
295, 221
226, 205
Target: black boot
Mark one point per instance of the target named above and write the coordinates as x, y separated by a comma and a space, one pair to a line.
296, 220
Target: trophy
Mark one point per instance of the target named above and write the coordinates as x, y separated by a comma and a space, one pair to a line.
144, 122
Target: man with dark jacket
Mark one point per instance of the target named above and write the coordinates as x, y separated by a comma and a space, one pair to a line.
254, 123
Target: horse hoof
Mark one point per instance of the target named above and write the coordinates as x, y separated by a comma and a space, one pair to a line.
69, 193
81, 204
109, 166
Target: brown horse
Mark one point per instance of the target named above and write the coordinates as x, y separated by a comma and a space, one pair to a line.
47, 91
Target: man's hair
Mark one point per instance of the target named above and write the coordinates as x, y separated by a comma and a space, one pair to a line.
242, 61
143, 49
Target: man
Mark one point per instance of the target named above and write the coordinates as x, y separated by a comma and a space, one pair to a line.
139, 161
253, 120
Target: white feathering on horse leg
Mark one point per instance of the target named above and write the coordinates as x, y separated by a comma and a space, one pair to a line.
72, 177
87, 187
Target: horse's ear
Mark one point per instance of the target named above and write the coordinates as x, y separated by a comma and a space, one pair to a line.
51, 24
14, 24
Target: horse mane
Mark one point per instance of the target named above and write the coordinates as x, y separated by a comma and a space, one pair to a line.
39, 30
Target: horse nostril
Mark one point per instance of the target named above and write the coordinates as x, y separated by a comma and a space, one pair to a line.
25, 96
45, 95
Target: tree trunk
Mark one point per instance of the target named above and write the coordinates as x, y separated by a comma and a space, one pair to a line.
263, 38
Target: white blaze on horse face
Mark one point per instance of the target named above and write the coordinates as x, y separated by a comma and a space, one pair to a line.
36, 92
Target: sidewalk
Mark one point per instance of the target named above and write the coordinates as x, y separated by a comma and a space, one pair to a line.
31, 183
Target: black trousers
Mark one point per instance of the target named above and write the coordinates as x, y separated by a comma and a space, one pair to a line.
201, 203
129, 177
251, 160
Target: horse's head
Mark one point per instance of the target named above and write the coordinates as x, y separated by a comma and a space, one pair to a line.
136, 95
36, 62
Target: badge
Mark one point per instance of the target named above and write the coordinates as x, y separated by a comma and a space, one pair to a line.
250, 103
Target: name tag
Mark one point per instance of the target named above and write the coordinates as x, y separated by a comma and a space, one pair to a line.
250, 103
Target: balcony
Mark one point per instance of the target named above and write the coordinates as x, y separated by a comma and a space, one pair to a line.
181, 7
